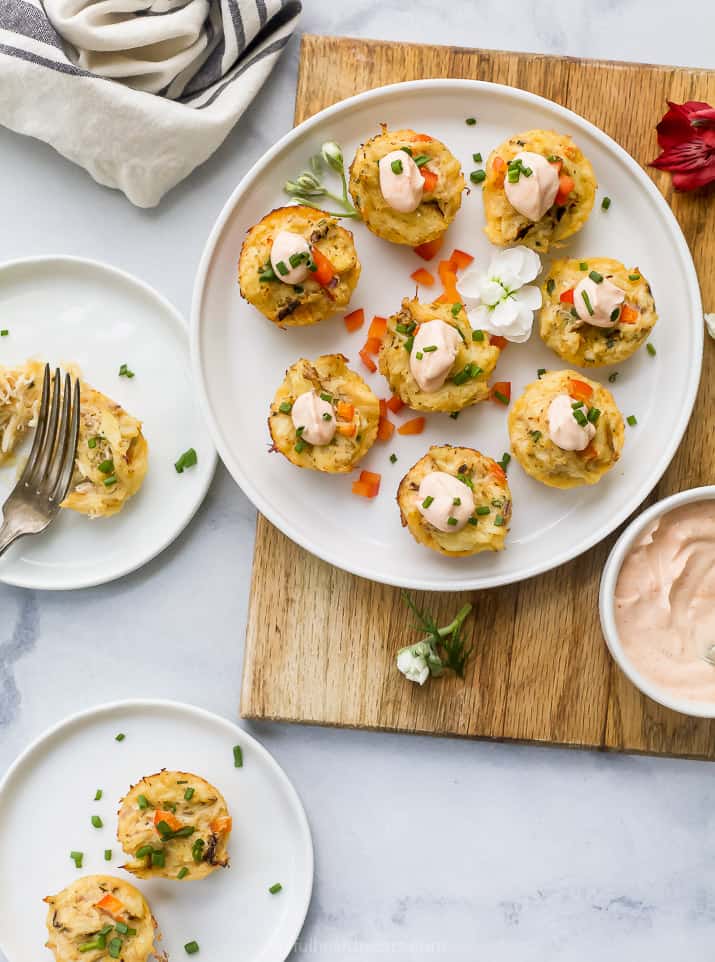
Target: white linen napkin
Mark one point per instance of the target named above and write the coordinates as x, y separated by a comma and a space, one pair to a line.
138, 92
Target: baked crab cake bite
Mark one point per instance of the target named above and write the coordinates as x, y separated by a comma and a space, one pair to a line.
324, 416
112, 457
456, 501
539, 190
407, 186
99, 917
174, 825
595, 311
432, 359
566, 430
20, 391
298, 266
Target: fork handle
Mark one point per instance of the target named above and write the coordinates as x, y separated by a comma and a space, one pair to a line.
7, 536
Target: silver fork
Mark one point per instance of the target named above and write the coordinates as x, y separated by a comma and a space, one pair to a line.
35, 500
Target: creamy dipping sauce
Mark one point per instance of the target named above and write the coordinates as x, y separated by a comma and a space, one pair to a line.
533, 195
433, 352
564, 429
665, 601
315, 417
287, 244
604, 299
401, 182
445, 501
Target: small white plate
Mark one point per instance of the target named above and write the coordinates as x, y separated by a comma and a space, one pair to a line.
63, 309
239, 357
46, 803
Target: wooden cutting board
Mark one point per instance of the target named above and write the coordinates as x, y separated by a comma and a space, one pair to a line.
321, 643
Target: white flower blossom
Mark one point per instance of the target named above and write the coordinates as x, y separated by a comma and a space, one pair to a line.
418, 662
710, 324
498, 300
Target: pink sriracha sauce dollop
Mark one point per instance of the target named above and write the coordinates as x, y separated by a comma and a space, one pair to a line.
665, 602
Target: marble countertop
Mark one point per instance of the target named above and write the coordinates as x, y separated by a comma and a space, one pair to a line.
429, 848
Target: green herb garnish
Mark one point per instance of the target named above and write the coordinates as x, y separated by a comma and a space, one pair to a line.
191, 948
396, 167
187, 460
605, 203
596, 277
651, 349
125, 372
447, 643
237, 756
97, 821
477, 176
632, 420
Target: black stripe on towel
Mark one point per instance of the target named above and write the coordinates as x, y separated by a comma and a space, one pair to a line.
58, 65
237, 25
29, 21
262, 11
272, 48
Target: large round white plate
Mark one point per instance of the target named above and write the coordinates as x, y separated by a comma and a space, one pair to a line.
63, 309
46, 802
239, 357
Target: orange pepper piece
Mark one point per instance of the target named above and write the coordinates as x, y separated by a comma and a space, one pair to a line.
421, 276
378, 328
367, 360
111, 905
395, 404
221, 824
629, 315
354, 320
460, 259
325, 272
566, 185
430, 179
579, 390
171, 820
566, 297
501, 392
385, 429
346, 411
430, 249
413, 426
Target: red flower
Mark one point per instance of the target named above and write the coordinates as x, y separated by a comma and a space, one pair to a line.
686, 136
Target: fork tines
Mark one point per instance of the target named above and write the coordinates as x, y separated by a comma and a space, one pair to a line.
49, 467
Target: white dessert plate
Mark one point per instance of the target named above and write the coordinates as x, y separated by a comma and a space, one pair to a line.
65, 309
231, 914
239, 357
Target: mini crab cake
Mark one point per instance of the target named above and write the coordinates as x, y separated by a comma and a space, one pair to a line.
324, 416
298, 266
433, 360
20, 391
595, 311
456, 501
539, 190
112, 457
566, 430
174, 825
98, 917
406, 186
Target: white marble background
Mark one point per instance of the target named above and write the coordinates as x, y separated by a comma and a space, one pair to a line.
425, 848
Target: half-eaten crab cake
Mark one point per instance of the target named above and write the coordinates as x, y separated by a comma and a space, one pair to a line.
324, 416
407, 186
595, 311
298, 266
539, 190
20, 391
456, 501
112, 457
99, 917
566, 430
433, 360
174, 825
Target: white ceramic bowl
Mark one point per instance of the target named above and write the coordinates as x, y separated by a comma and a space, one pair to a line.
699, 709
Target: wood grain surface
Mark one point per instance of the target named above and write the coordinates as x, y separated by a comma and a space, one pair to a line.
321, 643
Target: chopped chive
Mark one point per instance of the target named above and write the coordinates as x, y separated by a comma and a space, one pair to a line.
197, 850
477, 158
108, 482
106, 467
295, 259
188, 794
596, 277
580, 417
632, 420
535, 436
282, 268
99, 942
477, 335
158, 858
92, 443
574, 312
143, 851
187, 460
456, 308
634, 277
430, 348
275, 888
97, 821
285, 407
407, 150
299, 430
465, 479
120, 737
125, 372
422, 159
142, 802
405, 328
298, 288
502, 398
122, 928
114, 948
477, 176
396, 166
553, 158
504, 463
456, 501
427, 501
105, 930
472, 520
540, 372
583, 265
613, 377
550, 285
324, 396
409, 341
577, 404
527, 171
651, 349
605, 203
454, 415
98, 795
451, 521
267, 273
183, 872
77, 858
513, 175
593, 415
107, 855
470, 121
327, 417
419, 355
393, 458
587, 302
4, 332
483, 509
191, 948
237, 756
300, 445
499, 521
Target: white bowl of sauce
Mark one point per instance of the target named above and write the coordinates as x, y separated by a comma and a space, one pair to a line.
657, 602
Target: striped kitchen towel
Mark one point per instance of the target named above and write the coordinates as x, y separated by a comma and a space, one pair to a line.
138, 92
